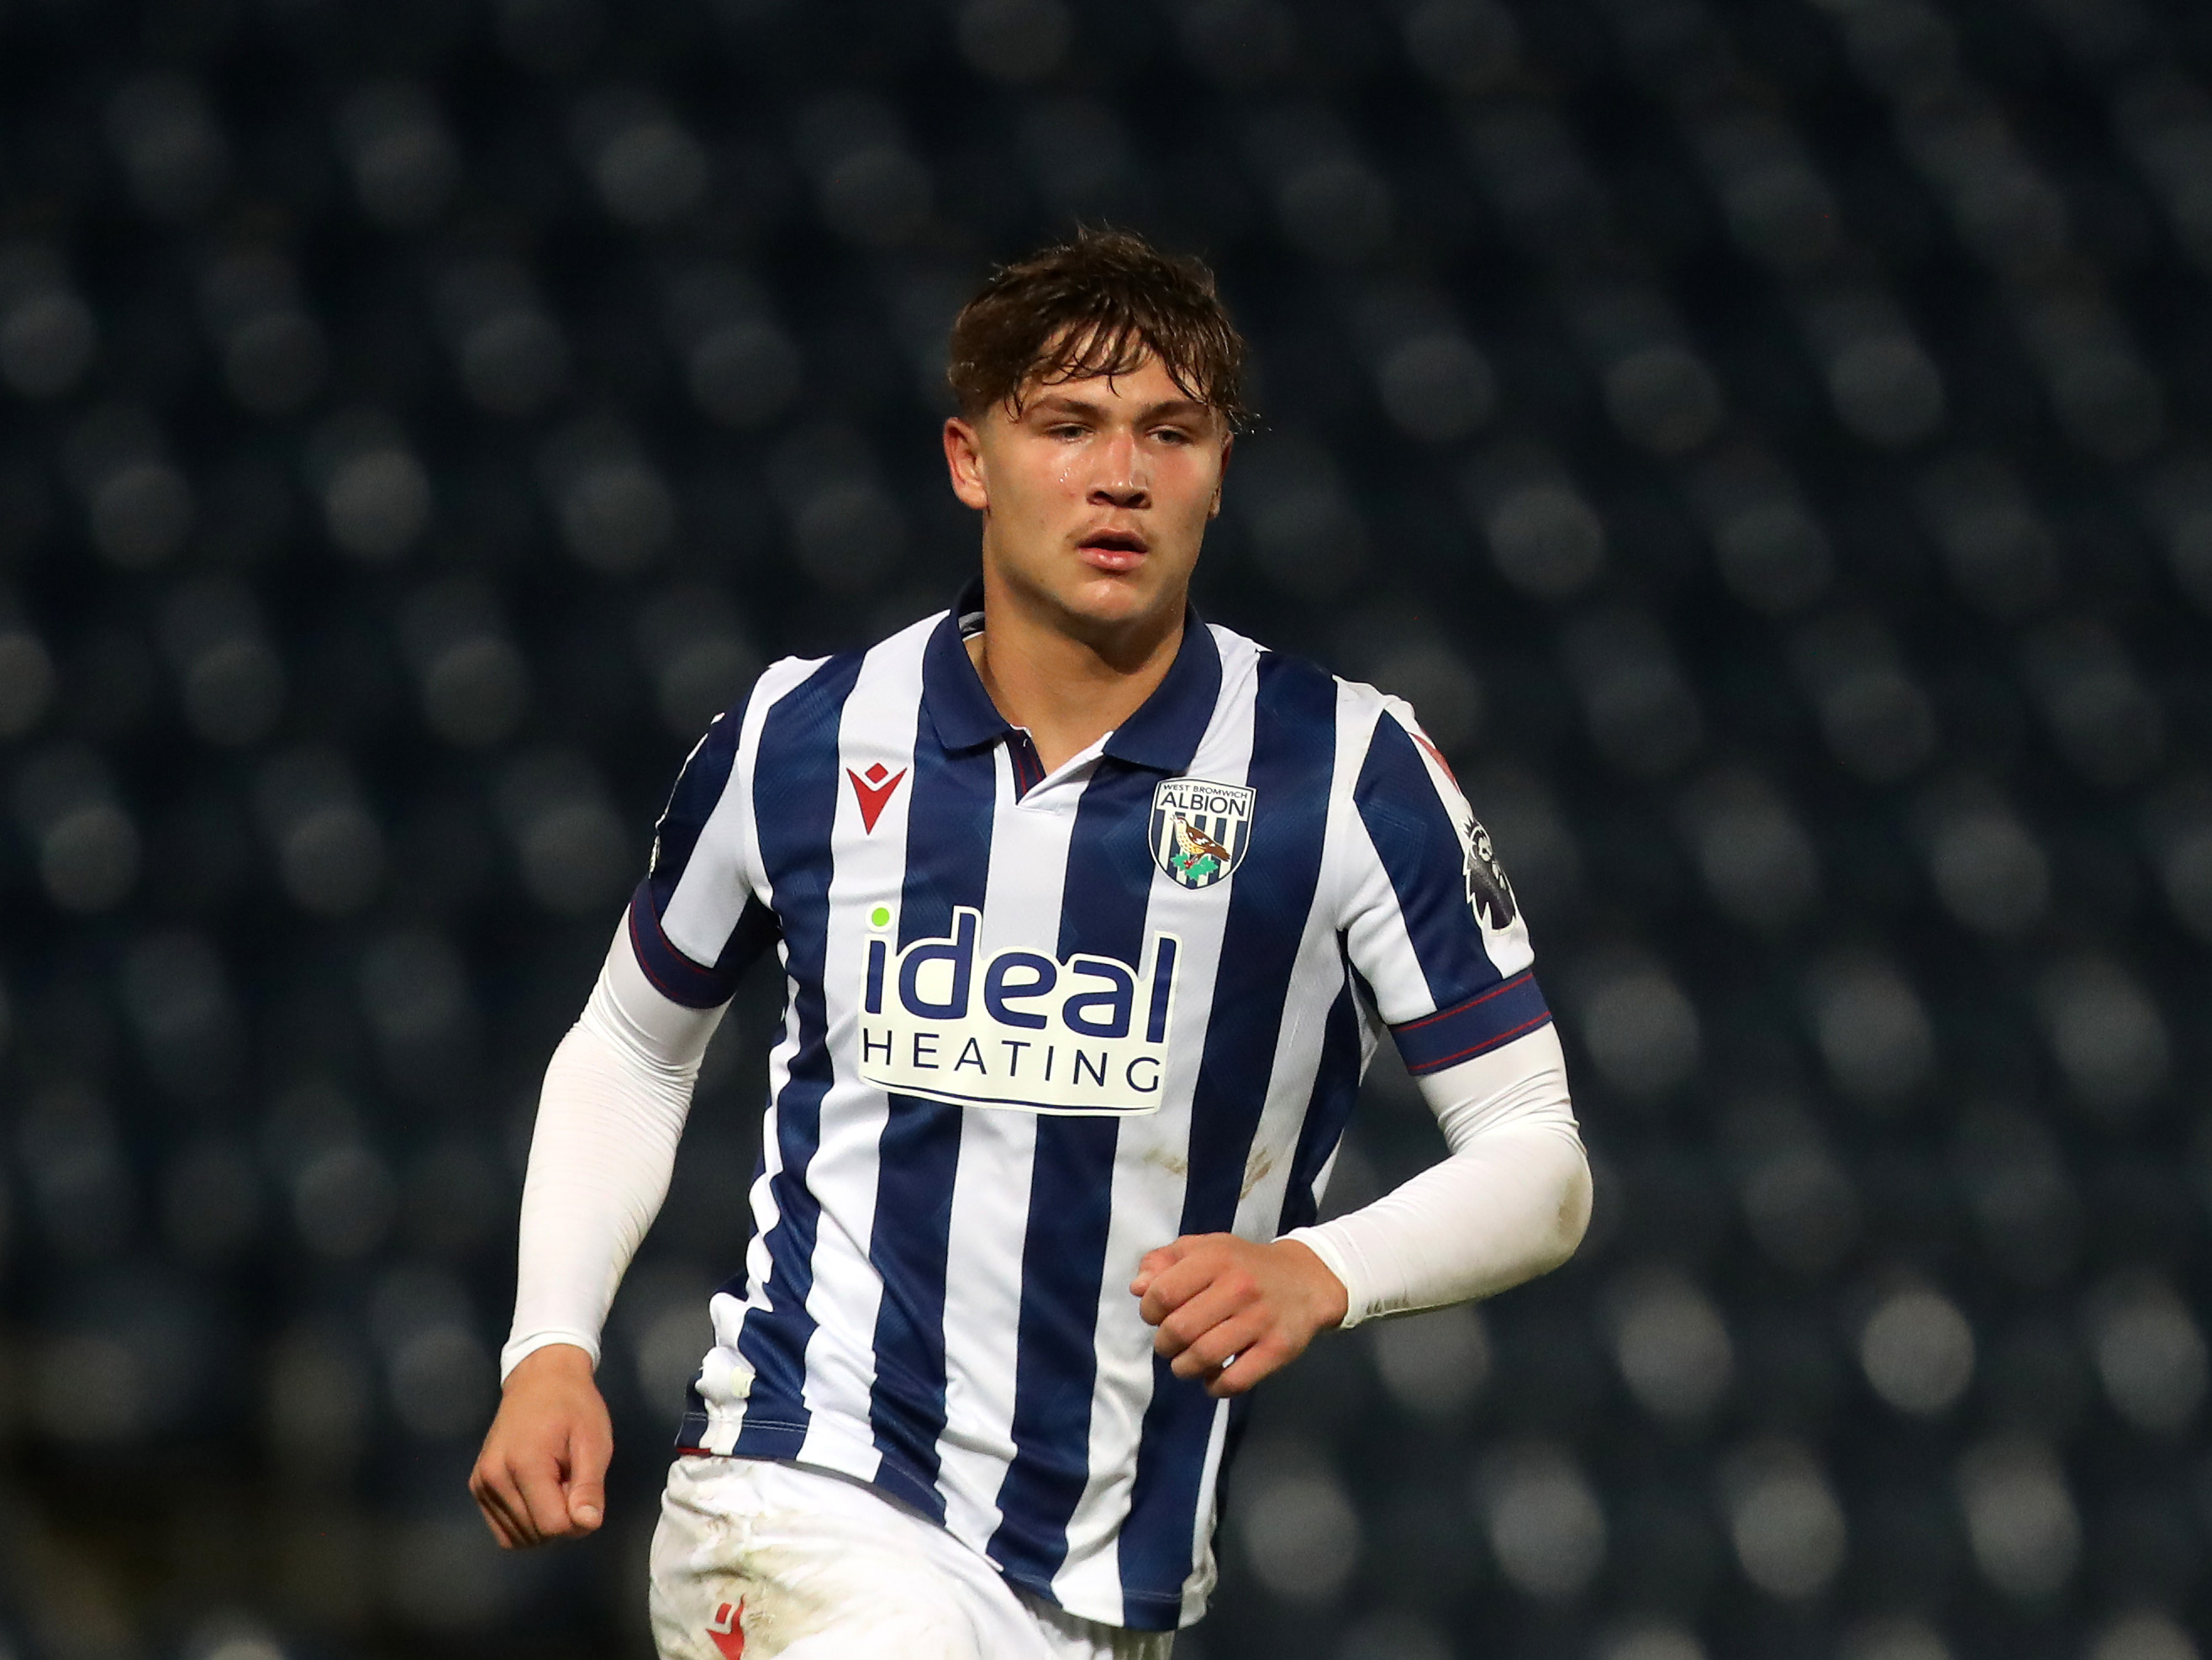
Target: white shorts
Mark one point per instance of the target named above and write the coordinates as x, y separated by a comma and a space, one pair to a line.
762, 1561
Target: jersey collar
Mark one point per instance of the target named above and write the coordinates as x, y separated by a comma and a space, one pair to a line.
1162, 735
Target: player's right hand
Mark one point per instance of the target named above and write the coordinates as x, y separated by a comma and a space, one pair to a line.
543, 1472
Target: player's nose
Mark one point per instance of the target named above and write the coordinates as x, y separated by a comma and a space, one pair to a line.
1119, 494
1120, 481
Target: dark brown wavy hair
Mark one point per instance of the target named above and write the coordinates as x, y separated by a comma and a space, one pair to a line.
1099, 303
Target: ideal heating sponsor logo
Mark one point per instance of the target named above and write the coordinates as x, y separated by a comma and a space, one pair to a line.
1080, 1034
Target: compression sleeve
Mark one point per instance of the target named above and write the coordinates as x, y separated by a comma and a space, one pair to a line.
1510, 1203
616, 1092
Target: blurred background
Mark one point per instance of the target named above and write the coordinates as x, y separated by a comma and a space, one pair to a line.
1765, 438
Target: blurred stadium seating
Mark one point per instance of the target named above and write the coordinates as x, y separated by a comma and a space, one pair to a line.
1767, 438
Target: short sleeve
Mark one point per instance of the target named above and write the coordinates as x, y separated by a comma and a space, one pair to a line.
697, 920
1430, 920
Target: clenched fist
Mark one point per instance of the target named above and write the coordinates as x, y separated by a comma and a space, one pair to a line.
543, 1472
1231, 1311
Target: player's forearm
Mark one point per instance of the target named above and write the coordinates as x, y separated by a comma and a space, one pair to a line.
1508, 1204
1474, 1226
616, 1092
599, 1165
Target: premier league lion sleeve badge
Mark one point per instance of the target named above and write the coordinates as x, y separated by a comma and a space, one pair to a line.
1200, 830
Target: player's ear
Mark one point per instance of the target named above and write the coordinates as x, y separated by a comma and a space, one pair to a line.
963, 461
1228, 443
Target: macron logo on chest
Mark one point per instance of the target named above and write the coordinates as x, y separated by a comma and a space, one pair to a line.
873, 790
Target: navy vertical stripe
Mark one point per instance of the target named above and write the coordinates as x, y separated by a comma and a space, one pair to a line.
1102, 910
1419, 847
948, 861
1270, 899
691, 802
1028, 766
795, 783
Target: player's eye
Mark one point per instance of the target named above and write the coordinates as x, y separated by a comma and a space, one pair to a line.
1171, 435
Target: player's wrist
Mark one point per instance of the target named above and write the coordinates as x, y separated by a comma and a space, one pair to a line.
560, 1364
1326, 1293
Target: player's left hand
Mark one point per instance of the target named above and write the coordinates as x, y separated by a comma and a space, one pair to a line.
1231, 1311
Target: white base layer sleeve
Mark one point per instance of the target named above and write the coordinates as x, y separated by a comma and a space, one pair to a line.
616, 1095
1510, 1203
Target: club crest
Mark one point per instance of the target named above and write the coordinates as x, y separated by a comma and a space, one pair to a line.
1200, 830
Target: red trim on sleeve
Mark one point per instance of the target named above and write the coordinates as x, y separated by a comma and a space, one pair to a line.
1479, 998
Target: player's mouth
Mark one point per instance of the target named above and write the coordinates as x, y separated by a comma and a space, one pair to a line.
1113, 549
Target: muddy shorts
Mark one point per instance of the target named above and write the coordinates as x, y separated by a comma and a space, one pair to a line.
770, 1562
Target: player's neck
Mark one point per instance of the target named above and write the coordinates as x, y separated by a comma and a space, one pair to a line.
1069, 690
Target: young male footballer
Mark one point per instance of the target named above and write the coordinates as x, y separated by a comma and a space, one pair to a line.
1089, 913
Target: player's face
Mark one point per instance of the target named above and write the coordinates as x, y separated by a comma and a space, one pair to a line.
1095, 496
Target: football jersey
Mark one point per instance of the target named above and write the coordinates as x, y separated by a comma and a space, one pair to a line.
1037, 1024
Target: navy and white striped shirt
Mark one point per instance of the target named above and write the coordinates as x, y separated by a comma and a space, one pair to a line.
1037, 1025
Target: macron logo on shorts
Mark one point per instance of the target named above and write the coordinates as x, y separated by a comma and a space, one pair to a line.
729, 1634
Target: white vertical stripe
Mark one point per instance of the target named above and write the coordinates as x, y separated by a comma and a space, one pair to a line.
732, 835
1204, 1571
991, 1185
1314, 983
1345, 864
1152, 1167
1316, 980
725, 1375
725, 868
876, 727
1374, 925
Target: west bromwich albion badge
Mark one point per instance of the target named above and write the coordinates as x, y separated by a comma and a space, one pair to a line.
1200, 830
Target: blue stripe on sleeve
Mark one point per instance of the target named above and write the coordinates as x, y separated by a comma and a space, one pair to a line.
948, 861
1420, 849
1473, 1026
698, 789
1270, 898
1102, 908
795, 803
